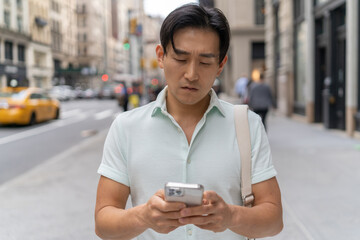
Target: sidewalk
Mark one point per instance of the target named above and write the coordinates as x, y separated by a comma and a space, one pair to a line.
318, 172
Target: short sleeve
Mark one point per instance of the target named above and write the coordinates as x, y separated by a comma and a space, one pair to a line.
262, 165
113, 164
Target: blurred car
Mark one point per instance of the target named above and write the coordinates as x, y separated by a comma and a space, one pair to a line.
27, 107
107, 91
63, 93
88, 93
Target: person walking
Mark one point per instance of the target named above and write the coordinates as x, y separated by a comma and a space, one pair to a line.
186, 135
241, 88
260, 98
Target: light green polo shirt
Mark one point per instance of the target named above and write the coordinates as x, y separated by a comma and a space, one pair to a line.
146, 147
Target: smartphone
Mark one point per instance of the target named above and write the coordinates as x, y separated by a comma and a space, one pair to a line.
190, 194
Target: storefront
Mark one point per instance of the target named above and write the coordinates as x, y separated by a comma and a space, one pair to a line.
12, 74
330, 63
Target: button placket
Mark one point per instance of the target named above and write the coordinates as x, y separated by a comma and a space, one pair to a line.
189, 230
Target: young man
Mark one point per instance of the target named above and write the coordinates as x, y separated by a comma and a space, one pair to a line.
186, 135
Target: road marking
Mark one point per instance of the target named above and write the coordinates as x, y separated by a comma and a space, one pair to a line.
70, 113
103, 114
39, 130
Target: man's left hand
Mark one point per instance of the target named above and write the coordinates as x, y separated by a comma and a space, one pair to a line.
214, 215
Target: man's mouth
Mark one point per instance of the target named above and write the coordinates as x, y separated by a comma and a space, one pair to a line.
189, 88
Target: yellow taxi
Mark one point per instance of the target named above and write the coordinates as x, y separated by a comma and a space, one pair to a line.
27, 106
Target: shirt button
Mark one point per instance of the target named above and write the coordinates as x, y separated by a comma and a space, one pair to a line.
189, 231
188, 161
179, 130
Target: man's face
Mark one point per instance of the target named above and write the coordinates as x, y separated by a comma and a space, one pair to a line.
191, 68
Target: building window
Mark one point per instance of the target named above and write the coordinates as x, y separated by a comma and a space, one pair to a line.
299, 57
298, 9
19, 4
21, 53
20, 23
277, 38
55, 6
259, 12
7, 18
8, 50
318, 2
206, 3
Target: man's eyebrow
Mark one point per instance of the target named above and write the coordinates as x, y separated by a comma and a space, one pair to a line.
207, 55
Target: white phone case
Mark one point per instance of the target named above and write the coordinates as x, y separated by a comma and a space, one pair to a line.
190, 194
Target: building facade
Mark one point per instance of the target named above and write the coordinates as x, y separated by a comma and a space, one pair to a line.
246, 56
40, 65
14, 43
63, 24
312, 60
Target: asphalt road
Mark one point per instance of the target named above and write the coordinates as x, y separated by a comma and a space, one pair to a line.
24, 147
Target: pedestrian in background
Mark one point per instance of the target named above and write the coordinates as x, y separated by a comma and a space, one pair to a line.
241, 88
260, 98
186, 135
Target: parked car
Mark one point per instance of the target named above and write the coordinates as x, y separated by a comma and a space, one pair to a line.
63, 93
27, 107
107, 91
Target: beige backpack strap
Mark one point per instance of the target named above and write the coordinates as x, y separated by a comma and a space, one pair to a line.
244, 143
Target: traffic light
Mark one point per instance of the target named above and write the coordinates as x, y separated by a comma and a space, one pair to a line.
154, 63
126, 44
154, 82
133, 25
105, 77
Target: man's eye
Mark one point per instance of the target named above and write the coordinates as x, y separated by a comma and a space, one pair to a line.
205, 63
180, 60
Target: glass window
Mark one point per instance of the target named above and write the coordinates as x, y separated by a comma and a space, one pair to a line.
7, 18
259, 12
258, 50
21, 53
300, 48
8, 50
298, 9
318, 2
20, 23
19, 3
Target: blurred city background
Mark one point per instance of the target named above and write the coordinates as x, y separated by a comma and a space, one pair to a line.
68, 67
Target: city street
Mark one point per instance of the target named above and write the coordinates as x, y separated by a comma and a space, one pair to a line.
317, 172
23, 147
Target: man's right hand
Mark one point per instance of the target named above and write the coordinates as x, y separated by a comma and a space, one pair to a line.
159, 215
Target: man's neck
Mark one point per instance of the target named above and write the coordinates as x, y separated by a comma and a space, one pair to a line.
187, 116
183, 111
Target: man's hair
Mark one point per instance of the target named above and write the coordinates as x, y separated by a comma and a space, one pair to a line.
193, 15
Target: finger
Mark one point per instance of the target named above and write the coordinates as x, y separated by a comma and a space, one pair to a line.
172, 206
211, 197
197, 220
165, 206
160, 193
202, 210
175, 215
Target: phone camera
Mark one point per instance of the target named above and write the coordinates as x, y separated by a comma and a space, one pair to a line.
178, 192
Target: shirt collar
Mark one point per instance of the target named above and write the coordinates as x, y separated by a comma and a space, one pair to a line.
160, 103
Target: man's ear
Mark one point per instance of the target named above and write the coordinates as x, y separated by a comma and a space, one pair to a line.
222, 65
160, 55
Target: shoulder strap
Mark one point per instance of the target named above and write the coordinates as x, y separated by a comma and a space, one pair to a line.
244, 143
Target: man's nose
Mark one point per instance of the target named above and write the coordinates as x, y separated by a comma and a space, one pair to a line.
192, 71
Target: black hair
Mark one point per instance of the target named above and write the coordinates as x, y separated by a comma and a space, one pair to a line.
193, 15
